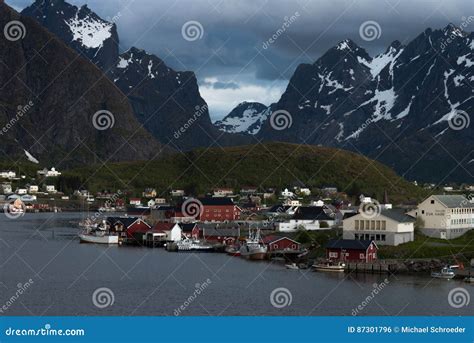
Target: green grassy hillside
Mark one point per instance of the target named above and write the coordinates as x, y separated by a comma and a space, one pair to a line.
263, 165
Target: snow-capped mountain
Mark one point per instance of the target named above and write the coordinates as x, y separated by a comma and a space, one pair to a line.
165, 101
80, 28
247, 117
397, 107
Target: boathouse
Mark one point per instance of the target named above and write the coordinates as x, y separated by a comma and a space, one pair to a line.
278, 243
351, 250
131, 229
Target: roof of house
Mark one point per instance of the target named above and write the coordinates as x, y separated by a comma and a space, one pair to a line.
125, 221
272, 238
398, 215
348, 244
219, 201
312, 213
279, 208
212, 231
454, 200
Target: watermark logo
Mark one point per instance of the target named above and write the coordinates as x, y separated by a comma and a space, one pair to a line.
286, 24
20, 112
281, 120
192, 30
198, 290
370, 30
103, 297
21, 288
199, 111
376, 289
14, 209
459, 297
14, 30
281, 297
370, 210
103, 120
459, 120
192, 207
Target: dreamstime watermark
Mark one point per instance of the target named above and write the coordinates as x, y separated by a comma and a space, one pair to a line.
281, 297
465, 22
286, 24
192, 207
370, 30
14, 30
115, 18
108, 203
198, 290
192, 30
47, 330
370, 210
281, 120
377, 287
21, 111
459, 120
459, 297
103, 120
103, 297
199, 111
20, 290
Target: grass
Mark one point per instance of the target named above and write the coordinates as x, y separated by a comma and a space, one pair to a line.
426, 247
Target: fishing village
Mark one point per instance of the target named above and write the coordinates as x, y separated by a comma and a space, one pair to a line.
304, 228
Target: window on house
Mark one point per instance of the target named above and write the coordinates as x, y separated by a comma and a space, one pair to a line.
377, 237
384, 225
432, 201
382, 238
357, 225
361, 256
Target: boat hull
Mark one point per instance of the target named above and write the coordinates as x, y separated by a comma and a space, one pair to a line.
442, 276
326, 268
84, 238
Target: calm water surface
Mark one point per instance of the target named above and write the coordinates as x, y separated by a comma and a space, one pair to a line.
44, 247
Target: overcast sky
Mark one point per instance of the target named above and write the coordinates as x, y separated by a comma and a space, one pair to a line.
230, 60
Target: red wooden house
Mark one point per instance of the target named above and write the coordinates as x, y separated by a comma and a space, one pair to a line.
190, 230
130, 228
277, 243
216, 209
351, 250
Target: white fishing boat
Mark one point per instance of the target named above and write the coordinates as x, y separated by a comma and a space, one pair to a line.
469, 279
445, 273
193, 245
98, 234
329, 267
254, 248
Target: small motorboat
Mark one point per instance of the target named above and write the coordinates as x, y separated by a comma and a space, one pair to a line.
292, 266
445, 273
329, 267
469, 279
98, 234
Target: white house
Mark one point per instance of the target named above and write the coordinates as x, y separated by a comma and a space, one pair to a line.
292, 202
173, 231
33, 189
150, 203
49, 173
318, 203
7, 174
223, 192
50, 189
308, 218
177, 193
389, 227
287, 194
445, 216
21, 191
6, 188
304, 191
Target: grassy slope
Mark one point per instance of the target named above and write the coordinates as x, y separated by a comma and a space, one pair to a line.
263, 165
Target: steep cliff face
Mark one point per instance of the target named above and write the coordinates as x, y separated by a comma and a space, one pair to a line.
52, 102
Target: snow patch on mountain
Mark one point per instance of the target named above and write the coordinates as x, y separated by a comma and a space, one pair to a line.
465, 60
379, 62
245, 118
89, 31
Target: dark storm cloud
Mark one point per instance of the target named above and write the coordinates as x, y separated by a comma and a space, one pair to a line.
235, 31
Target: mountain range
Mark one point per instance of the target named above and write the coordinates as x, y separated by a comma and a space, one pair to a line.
408, 107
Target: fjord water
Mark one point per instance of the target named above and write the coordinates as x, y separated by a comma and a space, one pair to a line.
44, 247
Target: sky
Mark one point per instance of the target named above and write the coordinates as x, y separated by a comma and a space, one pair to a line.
232, 53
